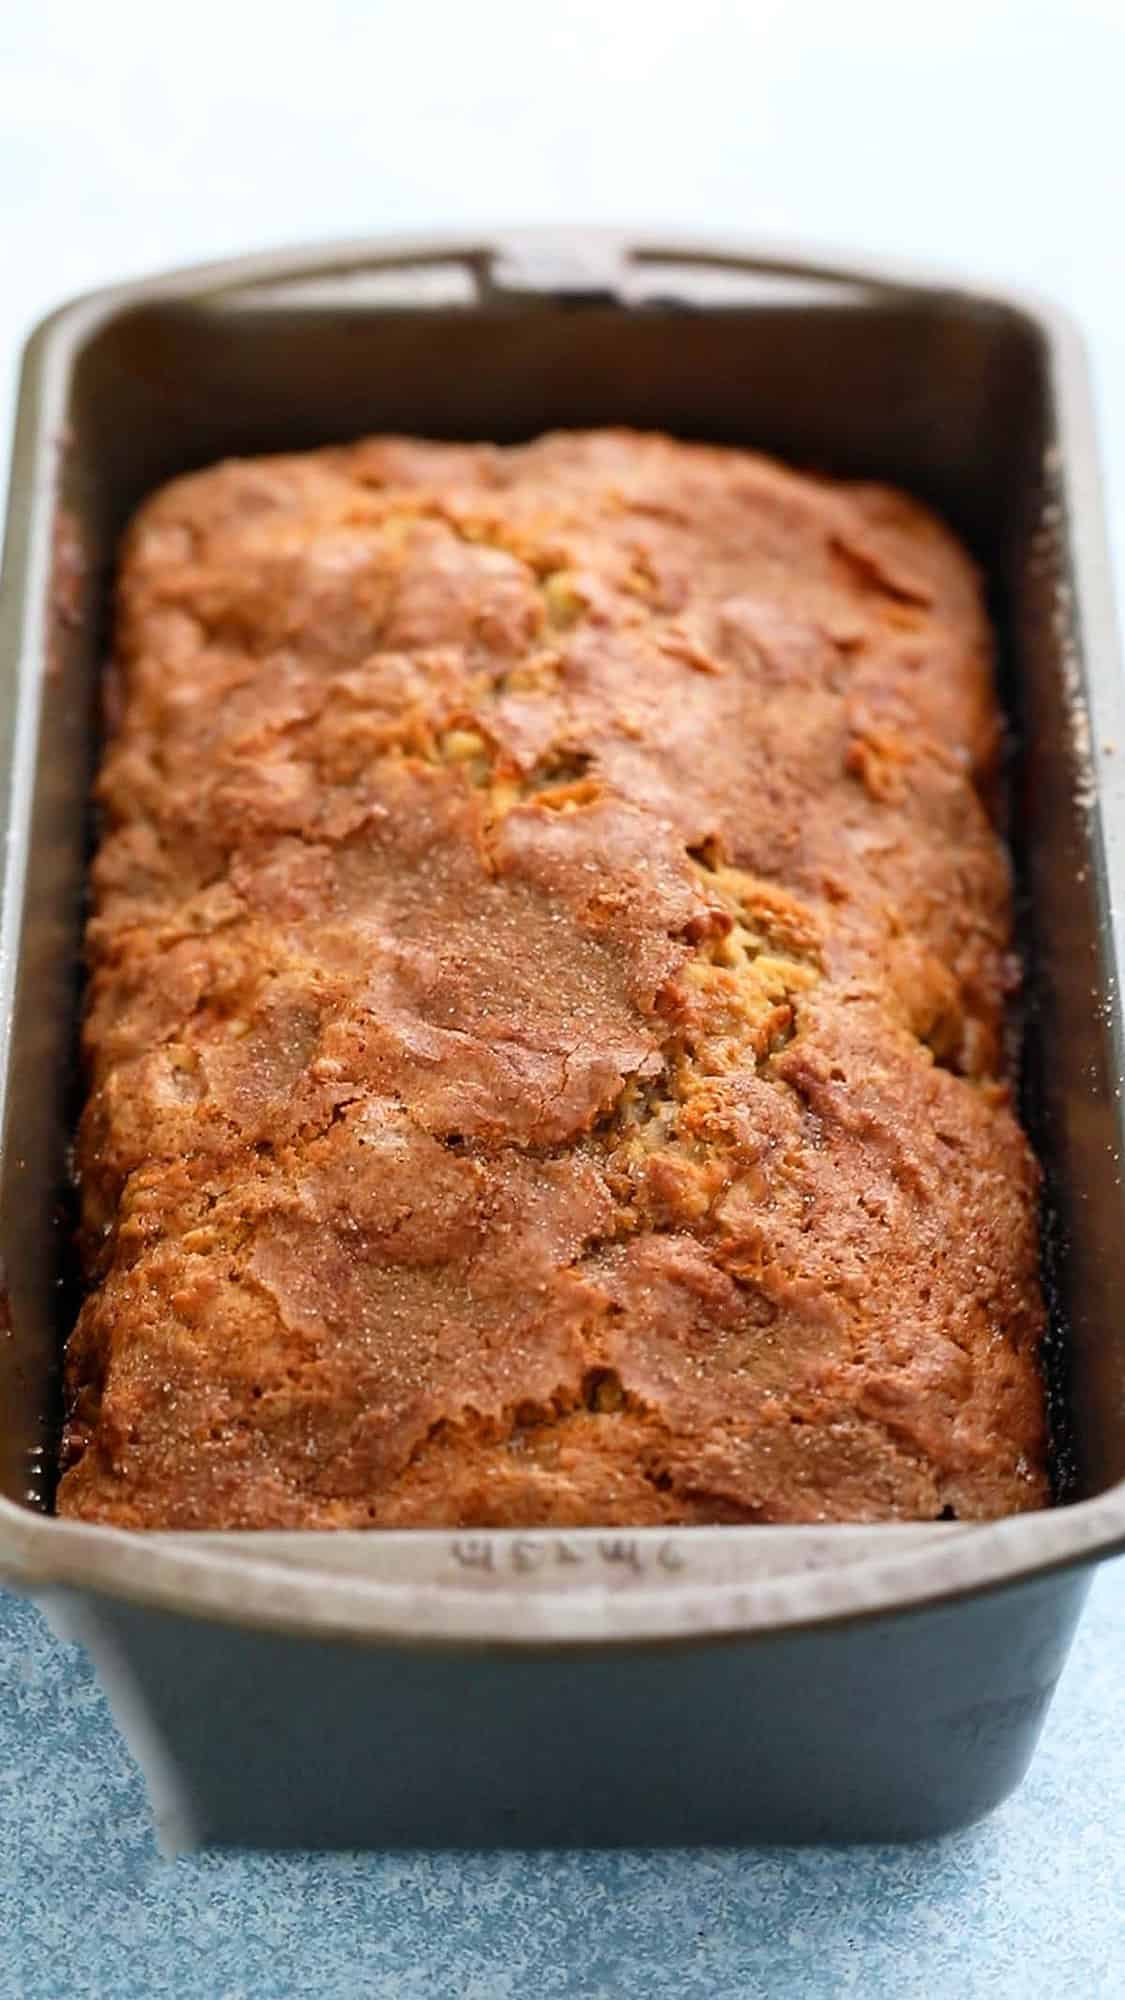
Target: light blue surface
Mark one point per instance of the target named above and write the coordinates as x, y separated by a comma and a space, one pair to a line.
1031, 1903
984, 137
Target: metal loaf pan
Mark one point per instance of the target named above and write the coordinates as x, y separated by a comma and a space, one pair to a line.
726, 1684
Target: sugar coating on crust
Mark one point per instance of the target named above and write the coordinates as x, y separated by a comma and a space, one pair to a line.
545, 1022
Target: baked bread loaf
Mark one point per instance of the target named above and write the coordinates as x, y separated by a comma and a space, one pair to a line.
545, 1022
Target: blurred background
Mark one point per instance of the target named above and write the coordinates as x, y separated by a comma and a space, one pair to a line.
982, 135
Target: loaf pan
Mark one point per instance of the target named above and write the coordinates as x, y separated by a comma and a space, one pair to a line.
727, 1684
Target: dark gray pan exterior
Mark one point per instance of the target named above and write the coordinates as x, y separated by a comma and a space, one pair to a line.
716, 1684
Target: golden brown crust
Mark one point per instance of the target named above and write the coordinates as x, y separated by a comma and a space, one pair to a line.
545, 1019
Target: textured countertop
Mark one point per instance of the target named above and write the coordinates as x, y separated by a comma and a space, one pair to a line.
983, 135
1029, 1903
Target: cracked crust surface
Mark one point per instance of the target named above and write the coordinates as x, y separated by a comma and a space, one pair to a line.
545, 1025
